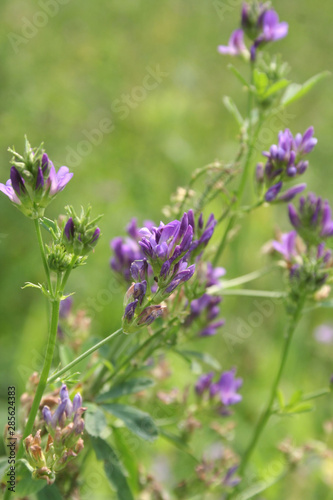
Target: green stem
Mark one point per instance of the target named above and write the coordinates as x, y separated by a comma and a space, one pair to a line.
216, 290
83, 356
268, 411
246, 278
42, 251
43, 378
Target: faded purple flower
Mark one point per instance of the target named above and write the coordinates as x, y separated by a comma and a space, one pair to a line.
236, 45
287, 245
324, 334
204, 383
227, 387
65, 307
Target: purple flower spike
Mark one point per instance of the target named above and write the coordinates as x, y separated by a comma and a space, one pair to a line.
59, 415
69, 229
235, 46
227, 388
273, 191
17, 182
204, 383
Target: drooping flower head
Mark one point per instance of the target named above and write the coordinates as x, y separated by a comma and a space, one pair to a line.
34, 181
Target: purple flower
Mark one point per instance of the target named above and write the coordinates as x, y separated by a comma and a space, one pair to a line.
271, 30
8, 190
313, 220
285, 161
273, 191
292, 192
126, 251
139, 269
203, 383
227, 387
69, 229
56, 181
65, 307
96, 235
167, 242
236, 45
211, 329
183, 275
130, 310
65, 411
228, 478
213, 274
202, 234
324, 334
287, 245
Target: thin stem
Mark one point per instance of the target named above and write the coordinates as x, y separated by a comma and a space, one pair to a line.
216, 290
268, 411
42, 251
43, 378
135, 352
246, 278
83, 356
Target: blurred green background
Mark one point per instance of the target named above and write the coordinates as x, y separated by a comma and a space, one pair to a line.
64, 79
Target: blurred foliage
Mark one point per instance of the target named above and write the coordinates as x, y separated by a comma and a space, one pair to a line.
60, 84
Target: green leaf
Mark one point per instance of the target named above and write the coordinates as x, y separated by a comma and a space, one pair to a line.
95, 422
280, 398
178, 442
232, 108
26, 485
3, 466
112, 468
238, 75
50, 492
137, 421
298, 408
127, 457
276, 87
66, 354
131, 386
261, 82
295, 91
49, 225
204, 357
296, 397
